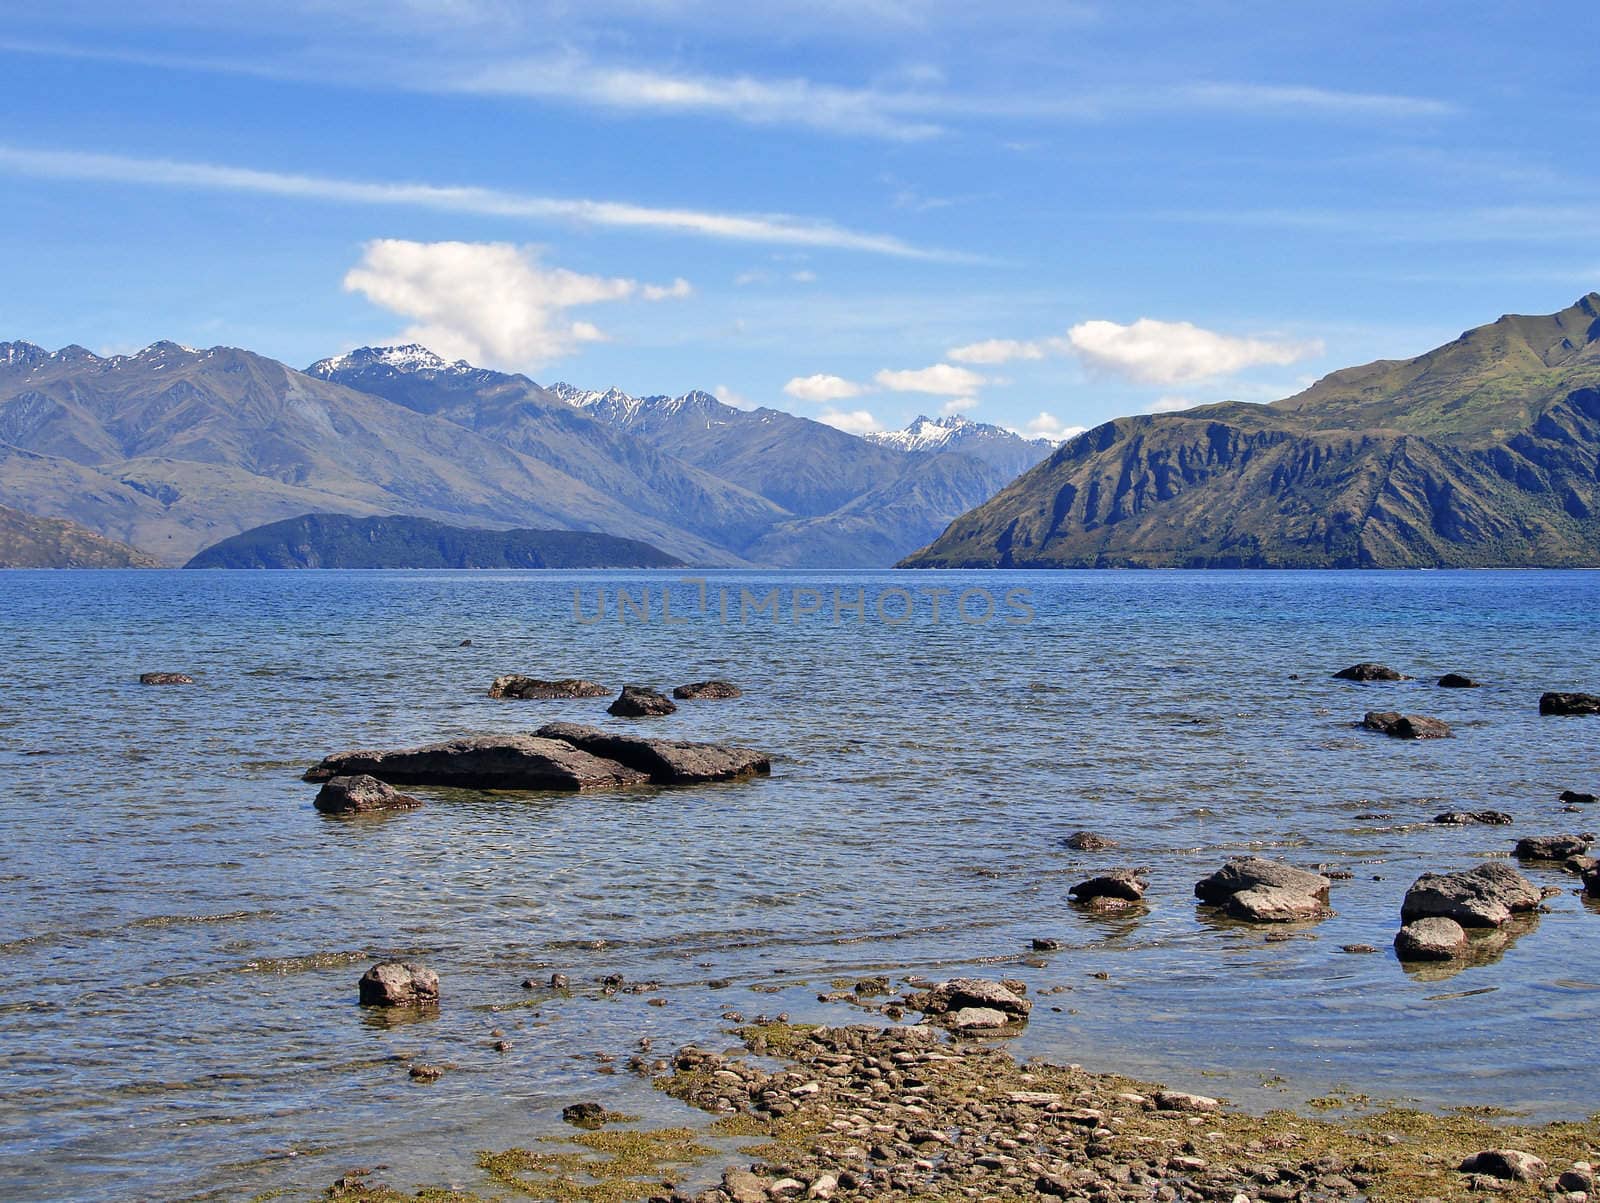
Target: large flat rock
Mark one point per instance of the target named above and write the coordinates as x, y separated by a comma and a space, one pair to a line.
664, 761
521, 762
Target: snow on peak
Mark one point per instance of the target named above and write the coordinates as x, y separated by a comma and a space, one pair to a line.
411, 357
930, 434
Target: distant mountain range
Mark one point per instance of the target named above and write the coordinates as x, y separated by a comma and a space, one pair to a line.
1482, 453
343, 541
30, 542
174, 449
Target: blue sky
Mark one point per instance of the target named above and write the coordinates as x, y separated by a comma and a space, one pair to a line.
1043, 215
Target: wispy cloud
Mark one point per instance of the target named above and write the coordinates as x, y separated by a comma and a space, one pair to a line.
775, 229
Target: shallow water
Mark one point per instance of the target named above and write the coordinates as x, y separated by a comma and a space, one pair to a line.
181, 932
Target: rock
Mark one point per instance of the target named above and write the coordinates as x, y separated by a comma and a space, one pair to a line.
1358, 949
584, 1115
1432, 939
1579, 865
1045, 944
963, 992
165, 679
1579, 1178
1367, 671
1573, 798
1458, 681
1569, 703
664, 761
1088, 841
558, 981
399, 984
426, 1073
524, 688
517, 762
359, 795
637, 701
1591, 883
707, 691
1486, 895
1550, 847
1458, 818
1507, 1164
1265, 891
1177, 1100
465, 643
1406, 726
824, 1186
741, 1186
1125, 884
978, 1019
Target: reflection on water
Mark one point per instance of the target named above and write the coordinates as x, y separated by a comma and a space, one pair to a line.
181, 932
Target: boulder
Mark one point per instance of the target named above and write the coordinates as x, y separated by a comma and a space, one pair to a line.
1432, 939
1486, 895
1265, 904
1591, 883
1128, 885
638, 701
1573, 798
1510, 1165
359, 795
399, 984
1265, 891
165, 679
1367, 671
516, 762
1406, 726
524, 688
584, 1115
1177, 1100
1457, 681
707, 691
978, 1019
970, 992
1551, 847
664, 761
1088, 841
1459, 818
1569, 703
1579, 865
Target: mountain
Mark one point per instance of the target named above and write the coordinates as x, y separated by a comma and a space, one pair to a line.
396, 541
995, 445
1482, 453
30, 542
172, 449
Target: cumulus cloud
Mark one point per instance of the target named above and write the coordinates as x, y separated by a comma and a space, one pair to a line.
1048, 426
489, 302
822, 388
1167, 353
854, 421
677, 290
958, 405
940, 380
1172, 405
1002, 350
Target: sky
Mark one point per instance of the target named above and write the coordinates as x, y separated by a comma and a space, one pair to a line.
1043, 215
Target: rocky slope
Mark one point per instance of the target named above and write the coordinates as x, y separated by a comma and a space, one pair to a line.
343, 541
30, 542
1482, 453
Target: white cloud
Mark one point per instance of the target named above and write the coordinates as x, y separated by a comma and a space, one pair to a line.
488, 302
1171, 405
940, 380
728, 397
1155, 352
855, 421
1002, 350
1048, 426
777, 229
958, 405
822, 388
677, 290
804, 276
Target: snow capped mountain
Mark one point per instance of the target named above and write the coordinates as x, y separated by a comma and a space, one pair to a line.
944, 434
412, 357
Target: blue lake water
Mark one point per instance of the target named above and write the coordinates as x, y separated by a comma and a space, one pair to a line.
181, 933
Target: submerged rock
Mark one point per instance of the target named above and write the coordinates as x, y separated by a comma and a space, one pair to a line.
1458, 681
1088, 841
1368, 671
1569, 703
1406, 726
1591, 883
1265, 891
964, 993
1127, 885
515, 762
584, 1115
1458, 818
705, 691
639, 701
665, 761
165, 679
399, 984
1573, 798
361, 794
521, 688
1511, 1165
1550, 847
1432, 939
1486, 895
